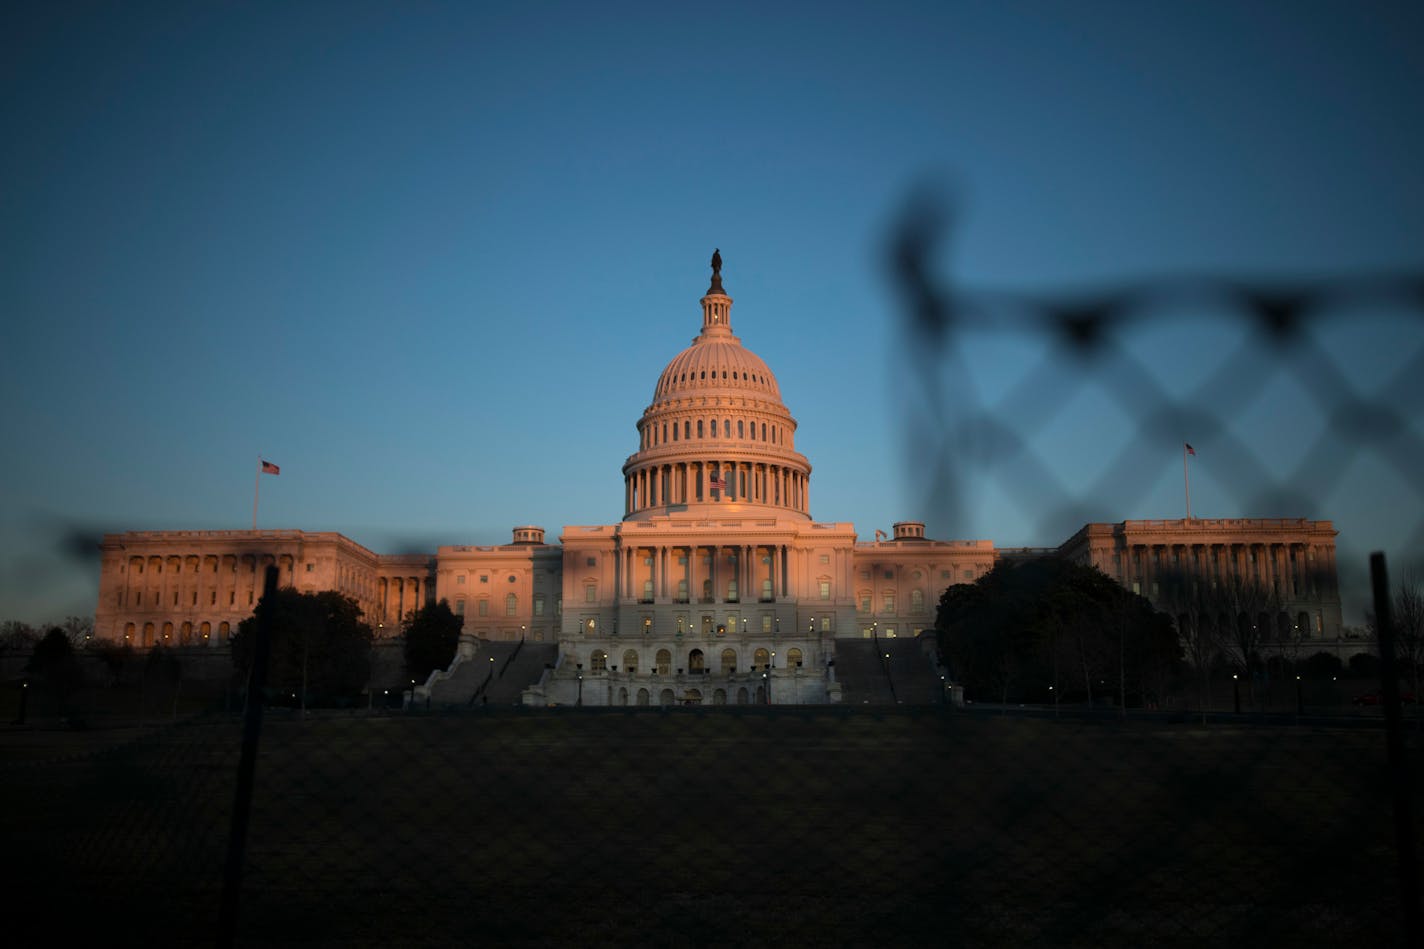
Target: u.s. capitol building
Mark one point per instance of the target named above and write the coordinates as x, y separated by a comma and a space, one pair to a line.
716, 586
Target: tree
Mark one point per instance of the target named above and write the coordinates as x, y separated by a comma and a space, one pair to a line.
54, 664
320, 645
1251, 606
1020, 627
431, 638
16, 636
1407, 606
79, 629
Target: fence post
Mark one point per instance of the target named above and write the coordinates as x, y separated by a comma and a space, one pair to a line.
1394, 743
247, 765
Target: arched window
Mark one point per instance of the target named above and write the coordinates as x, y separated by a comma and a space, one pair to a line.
719, 697
917, 601
205, 631
663, 664
185, 633
793, 657
741, 429
665, 698
761, 659
224, 632
630, 660
729, 661
167, 632
742, 696
623, 696
643, 697
686, 430
598, 662
763, 431
147, 634
129, 631
699, 428
695, 662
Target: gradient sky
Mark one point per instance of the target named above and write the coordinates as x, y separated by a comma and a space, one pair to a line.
430, 257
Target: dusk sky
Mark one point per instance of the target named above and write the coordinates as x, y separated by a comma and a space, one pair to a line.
430, 258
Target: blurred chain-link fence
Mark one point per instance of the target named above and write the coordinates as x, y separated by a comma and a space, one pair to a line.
1038, 412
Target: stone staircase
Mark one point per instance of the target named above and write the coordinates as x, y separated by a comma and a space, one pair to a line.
480, 681
907, 677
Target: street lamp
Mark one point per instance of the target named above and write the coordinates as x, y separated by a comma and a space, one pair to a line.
580, 684
1236, 691
1299, 697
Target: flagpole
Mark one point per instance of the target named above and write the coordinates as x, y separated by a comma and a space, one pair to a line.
256, 485
1186, 482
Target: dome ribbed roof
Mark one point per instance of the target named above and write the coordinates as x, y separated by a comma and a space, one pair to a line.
716, 365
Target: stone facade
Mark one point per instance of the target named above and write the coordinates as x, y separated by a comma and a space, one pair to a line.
1277, 573
716, 586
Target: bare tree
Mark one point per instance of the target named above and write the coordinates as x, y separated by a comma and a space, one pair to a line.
1251, 606
1189, 597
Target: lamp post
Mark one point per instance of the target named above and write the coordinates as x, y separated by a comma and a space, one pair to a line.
1236, 691
1299, 697
580, 684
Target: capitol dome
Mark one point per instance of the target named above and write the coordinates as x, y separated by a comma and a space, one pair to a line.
716, 433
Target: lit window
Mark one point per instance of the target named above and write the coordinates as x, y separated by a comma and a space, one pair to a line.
590, 593
917, 601
766, 623
511, 605
888, 601
538, 604
825, 589
598, 662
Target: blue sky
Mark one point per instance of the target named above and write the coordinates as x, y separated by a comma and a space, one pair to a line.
374, 242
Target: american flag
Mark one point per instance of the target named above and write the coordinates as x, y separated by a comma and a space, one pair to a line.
269, 468
1190, 449
718, 484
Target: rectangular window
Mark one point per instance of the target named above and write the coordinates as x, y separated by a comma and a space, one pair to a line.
766, 623
460, 579
538, 604
888, 600
311, 567
826, 623
590, 594
825, 558
460, 607
865, 603
825, 589
484, 608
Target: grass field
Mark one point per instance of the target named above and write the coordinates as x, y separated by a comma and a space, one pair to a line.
811, 826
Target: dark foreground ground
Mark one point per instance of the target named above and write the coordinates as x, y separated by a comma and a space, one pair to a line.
707, 827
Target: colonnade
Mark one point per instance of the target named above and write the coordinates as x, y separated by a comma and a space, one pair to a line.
693, 482
179, 581
1289, 568
703, 573
397, 596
